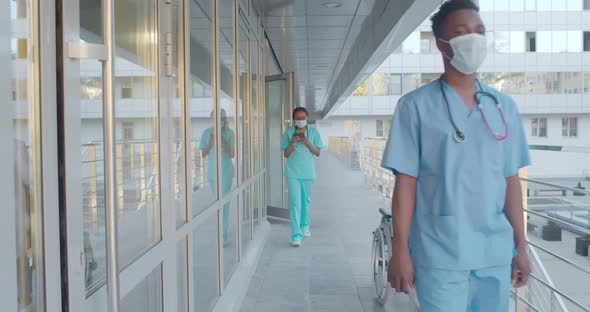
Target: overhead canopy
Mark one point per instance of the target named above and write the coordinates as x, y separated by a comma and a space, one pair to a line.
333, 45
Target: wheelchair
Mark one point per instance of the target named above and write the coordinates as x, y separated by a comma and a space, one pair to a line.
380, 259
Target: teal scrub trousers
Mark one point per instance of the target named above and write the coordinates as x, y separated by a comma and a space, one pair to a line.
299, 200
226, 184
481, 290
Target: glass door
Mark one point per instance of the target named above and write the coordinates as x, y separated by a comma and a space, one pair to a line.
117, 68
279, 102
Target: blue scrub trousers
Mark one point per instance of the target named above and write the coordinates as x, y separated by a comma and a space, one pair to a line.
482, 290
299, 200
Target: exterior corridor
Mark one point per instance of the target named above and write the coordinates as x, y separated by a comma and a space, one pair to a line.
331, 270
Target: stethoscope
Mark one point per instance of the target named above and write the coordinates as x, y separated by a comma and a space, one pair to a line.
458, 134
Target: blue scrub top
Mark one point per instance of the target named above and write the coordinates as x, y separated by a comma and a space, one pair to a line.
300, 164
458, 222
227, 166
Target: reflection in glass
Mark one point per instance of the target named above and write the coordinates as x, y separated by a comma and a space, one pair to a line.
182, 269
230, 247
574, 41
146, 296
27, 173
517, 42
362, 90
544, 44
226, 102
204, 193
136, 118
410, 82
178, 147
381, 84
92, 173
502, 41
205, 264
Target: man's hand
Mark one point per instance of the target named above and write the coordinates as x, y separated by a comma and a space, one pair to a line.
401, 269
296, 139
520, 269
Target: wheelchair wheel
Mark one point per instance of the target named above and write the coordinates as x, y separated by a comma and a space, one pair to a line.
380, 264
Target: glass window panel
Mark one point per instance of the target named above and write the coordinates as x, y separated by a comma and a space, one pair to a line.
146, 296
501, 5
137, 156
486, 5
27, 161
543, 127
203, 159
502, 41
396, 84
531, 41
516, 5
586, 83
427, 43
230, 247
242, 96
252, 110
205, 268
564, 126
574, 5
226, 102
572, 83
92, 172
559, 5
586, 4
559, 41
574, 41
517, 41
246, 218
573, 127
530, 5
178, 121
182, 276
544, 44
381, 84
410, 82
362, 90
535, 127
412, 44
586, 39
544, 5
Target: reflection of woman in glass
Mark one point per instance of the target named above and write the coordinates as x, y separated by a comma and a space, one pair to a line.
207, 146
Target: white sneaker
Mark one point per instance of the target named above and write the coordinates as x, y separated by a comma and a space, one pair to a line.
296, 242
306, 232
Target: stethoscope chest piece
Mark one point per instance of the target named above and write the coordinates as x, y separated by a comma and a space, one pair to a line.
459, 136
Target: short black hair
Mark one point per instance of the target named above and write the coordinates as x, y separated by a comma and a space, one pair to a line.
300, 109
439, 19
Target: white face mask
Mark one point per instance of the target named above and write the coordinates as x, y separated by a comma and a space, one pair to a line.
469, 52
300, 123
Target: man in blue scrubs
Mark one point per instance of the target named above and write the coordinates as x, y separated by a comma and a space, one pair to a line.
300, 144
457, 203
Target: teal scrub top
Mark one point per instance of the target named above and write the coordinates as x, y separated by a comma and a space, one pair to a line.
458, 221
300, 164
227, 166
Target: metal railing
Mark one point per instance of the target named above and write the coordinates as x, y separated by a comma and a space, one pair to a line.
346, 149
542, 294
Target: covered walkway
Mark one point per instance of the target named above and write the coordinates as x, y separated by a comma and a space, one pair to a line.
331, 271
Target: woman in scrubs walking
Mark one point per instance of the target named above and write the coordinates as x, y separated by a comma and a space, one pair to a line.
300, 144
456, 146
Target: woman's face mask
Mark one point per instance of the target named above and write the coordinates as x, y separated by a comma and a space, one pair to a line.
300, 123
469, 52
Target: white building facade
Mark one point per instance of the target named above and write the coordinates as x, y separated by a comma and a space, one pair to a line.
539, 53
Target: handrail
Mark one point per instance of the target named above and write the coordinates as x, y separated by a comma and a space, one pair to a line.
574, 264
560, 293
557, 186
566, 224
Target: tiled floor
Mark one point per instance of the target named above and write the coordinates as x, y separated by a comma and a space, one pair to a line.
331, 271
